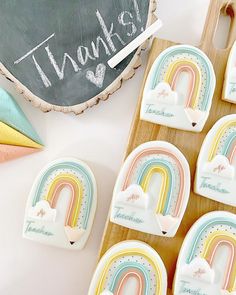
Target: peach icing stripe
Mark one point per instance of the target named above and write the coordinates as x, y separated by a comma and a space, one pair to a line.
126, 278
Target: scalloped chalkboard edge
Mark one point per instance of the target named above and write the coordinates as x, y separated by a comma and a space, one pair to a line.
127, 74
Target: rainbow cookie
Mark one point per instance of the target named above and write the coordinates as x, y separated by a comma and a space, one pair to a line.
152, 189
17, 136
207, 260
53, 218
179, 89
229, 92
129, 268
215, 176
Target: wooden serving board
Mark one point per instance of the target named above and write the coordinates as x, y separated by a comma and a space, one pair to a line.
189, 143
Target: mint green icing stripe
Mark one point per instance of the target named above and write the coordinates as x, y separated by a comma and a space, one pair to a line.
229, 142
123, 269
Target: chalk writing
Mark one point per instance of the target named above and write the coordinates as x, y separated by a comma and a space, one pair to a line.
106, 41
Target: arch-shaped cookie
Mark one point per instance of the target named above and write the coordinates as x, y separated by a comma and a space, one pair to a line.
129, 267
215, 176
57, 220
179, 89
207, 260
152, 189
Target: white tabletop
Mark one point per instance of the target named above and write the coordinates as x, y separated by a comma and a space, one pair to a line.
99, 137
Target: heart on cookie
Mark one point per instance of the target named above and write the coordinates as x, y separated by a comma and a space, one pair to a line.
17, 136
64, 65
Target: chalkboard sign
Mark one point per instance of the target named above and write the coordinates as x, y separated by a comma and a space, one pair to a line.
57, 51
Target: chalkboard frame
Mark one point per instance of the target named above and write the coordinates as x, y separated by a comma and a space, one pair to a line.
127, 74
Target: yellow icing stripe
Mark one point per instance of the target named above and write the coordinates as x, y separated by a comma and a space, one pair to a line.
129, 252
212, 243
196, 87
74, 207
164, 186
10, 136
217, 138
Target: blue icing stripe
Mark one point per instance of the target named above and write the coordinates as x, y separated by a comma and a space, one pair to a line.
202, 229
79, 169
123, 269
12, 115
228, 143
161, 163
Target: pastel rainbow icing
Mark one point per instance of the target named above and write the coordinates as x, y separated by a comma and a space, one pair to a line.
171, 197
229, 91
169, 178
204, 242
224, 142
80, 208
165, 80
129, 267
173, 74
17, 136
217, 162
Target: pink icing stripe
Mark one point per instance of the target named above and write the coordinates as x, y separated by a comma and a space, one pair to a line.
230, 262
150, 151
232, 154
188, 69
124, 280
56, 195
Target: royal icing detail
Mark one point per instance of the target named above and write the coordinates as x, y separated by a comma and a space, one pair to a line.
53, 218
207, 260
229, 92
152, 189
17, 136
215, 176
179, 89
129, 267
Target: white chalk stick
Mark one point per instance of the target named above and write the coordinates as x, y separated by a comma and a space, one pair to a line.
116, 59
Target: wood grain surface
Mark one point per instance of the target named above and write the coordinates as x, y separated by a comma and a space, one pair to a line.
189, 143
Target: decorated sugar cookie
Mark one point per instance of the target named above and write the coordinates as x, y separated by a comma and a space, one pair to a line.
59, 217
215, 177
17, 136
179, 89
207, 261
152, 189
130, 268
229, 92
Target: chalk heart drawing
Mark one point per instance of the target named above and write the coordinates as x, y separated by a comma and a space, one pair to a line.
98, 77
64, 65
